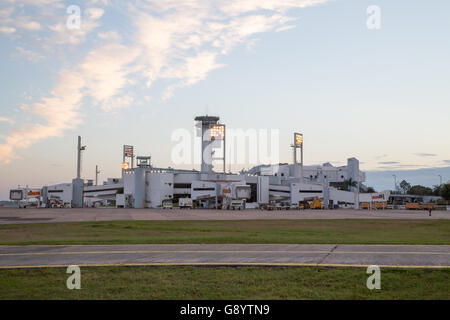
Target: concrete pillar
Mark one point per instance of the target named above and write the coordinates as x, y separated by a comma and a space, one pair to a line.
77, 193
139, 188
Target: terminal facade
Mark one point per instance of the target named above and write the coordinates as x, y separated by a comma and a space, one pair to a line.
279, 185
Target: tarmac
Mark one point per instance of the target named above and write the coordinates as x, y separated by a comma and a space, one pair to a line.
396, 256
42, 215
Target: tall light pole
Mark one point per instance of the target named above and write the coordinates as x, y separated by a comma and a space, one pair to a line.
395, 182
440, 180
80, 149
298, 143
96, 175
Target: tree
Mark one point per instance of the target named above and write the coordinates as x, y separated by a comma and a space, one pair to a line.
445, 191
370, 190
348, 184
420, 190
436, 190
405, 186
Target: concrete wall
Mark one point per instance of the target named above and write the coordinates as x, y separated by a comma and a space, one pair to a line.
302, 191
64, 192
159, 188
198, 192
342, 196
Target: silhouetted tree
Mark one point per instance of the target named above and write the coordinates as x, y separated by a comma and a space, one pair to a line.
420, 190
405, 186
445, 191
370, 190
348, 184
436, 190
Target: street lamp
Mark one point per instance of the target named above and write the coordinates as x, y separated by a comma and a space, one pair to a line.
395, 182
440, 179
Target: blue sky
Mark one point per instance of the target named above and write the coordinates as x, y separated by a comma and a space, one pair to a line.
136, 71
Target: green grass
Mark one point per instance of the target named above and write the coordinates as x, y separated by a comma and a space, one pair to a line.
198, 283
352, 231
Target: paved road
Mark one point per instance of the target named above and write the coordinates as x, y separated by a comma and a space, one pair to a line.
18, 216
411, 256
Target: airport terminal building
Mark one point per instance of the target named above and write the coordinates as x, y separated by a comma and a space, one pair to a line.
146, 186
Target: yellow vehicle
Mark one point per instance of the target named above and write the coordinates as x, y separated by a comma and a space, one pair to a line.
317, 204
427, 206
412, 206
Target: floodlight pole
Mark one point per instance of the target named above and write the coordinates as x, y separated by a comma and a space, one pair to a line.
80, 148
224, 148
79, 158
96, 175
295, 147
301, 161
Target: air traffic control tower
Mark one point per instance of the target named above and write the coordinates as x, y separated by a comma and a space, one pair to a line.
212, 134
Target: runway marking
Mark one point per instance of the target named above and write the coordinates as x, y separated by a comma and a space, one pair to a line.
263, 264
222, 251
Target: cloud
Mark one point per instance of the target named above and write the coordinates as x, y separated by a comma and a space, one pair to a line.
177, 41
446, 161
425, 154
106, 70
28, 55
59, 112
388, 162
7, 30
192, 35
101, 76
5, 119
46, 21
381, 156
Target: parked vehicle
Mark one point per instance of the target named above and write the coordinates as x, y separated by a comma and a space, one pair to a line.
237, 204
167, 204
185, 203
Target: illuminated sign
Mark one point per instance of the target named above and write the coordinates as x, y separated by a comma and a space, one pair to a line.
217, 132
128, 151
298, 139
16, 195
125, 165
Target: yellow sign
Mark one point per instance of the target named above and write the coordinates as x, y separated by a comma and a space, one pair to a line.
125, 165
298, 140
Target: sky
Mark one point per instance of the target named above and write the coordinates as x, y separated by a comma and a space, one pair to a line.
133, 72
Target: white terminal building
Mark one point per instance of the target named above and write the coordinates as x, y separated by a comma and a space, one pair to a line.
147, 186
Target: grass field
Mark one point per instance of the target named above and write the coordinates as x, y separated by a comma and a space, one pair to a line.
257, 231
199, 283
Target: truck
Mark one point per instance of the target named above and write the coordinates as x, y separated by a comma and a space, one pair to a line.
167, 204
185, 203
235, 195
237, 204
